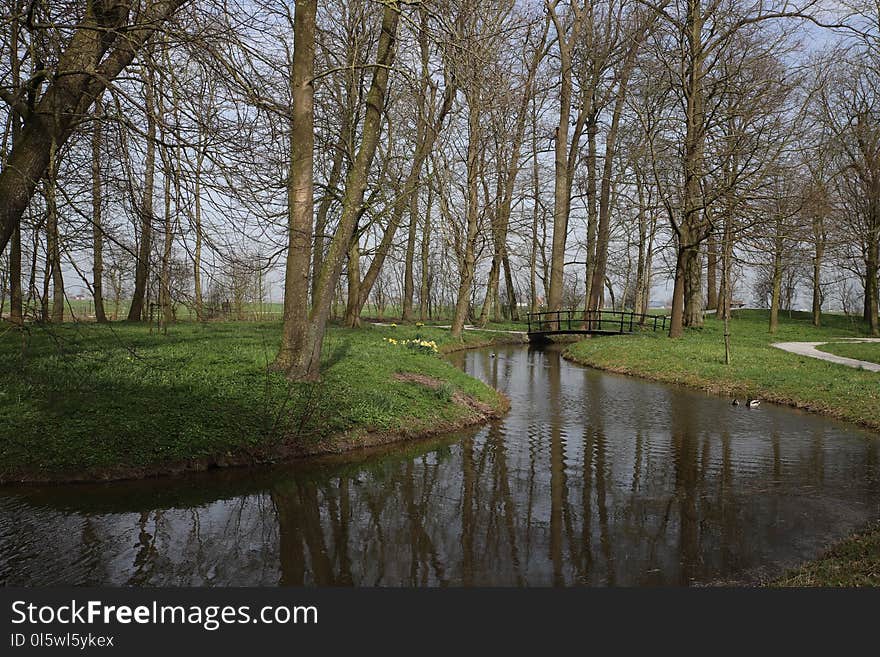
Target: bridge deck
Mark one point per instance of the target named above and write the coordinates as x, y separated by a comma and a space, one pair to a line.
596, 322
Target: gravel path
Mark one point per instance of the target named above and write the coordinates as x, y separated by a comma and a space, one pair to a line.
809, 349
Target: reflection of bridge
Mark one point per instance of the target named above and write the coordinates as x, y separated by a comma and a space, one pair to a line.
594, 322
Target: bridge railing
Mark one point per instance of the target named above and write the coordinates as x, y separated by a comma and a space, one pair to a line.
593, 321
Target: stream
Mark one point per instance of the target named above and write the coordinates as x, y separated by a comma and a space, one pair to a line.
590, 479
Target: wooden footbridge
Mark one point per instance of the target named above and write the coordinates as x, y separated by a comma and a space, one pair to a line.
595, 322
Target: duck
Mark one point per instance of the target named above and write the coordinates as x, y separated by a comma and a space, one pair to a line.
753, 403
735, 402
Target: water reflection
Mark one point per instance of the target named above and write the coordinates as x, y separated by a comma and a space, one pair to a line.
591, 479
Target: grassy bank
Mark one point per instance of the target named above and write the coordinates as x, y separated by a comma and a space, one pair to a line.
869, 351
853, 562
757, 369
87, 401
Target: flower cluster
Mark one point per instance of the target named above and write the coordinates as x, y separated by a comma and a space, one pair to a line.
417, 344
419, 324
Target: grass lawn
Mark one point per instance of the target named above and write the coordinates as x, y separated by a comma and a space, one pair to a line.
757, 369
88, 400
869, 351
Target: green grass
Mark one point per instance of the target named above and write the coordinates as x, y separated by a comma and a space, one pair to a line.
869, 351
853, 562
85, 399
757, 369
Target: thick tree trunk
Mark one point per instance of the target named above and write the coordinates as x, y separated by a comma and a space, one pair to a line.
693, 287
693, 229
303, 359
16, 305
94, 55
297, 339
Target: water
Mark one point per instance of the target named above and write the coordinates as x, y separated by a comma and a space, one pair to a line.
591, 479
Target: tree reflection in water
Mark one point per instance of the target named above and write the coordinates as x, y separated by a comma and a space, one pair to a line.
591, 479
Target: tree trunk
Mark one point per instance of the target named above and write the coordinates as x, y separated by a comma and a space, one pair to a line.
638, 300
491, 290
303, 358
776, 292
561, 185
297, 337
468, 265
197, 253
511, 290
165, 277
693, 287
408, 199
536, 209
97, 226
53, 240
712, 273
603, 232
353, 305
94, 55
424, 288
693, 229
142, 267
592, 218
872, 267
409, 264
818, 256
16, 305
